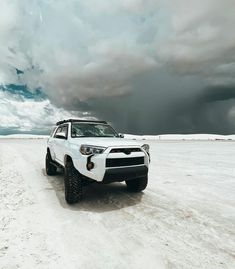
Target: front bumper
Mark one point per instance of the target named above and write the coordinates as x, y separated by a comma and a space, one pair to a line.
124, 173
107, 167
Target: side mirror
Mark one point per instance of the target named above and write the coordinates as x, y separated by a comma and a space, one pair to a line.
121, 135
60, 135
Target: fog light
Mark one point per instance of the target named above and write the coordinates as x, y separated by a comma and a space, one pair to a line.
90, 166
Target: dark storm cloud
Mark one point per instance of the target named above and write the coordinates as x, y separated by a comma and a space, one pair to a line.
219, 93
191, 107
208, 110
213, 111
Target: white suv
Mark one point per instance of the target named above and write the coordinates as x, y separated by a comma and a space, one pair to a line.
93, 151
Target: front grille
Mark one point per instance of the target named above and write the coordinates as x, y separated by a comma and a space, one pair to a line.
125, 150
124, 161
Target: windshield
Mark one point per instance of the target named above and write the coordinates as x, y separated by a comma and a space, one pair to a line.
92, 130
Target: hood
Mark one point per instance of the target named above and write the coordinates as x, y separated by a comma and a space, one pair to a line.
105, 141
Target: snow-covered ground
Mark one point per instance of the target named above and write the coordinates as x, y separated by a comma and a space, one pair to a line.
23, 136
201, 137
184, 219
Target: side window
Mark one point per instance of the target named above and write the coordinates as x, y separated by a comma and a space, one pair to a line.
65, 130
59, 129
61, 132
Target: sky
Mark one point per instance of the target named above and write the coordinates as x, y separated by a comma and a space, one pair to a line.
145, 66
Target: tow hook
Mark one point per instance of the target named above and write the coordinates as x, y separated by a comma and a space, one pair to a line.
90, 165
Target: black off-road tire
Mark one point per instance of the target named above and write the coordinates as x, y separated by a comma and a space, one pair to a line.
50, 167
137, 184
72, 184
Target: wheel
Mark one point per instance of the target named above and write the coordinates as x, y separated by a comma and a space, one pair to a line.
137, 184
72, 184
50, 167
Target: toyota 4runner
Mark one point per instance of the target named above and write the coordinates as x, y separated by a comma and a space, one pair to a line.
91, 151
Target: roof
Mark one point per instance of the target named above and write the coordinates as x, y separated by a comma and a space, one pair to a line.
77, 120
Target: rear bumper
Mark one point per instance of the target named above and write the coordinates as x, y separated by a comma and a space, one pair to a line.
124, 173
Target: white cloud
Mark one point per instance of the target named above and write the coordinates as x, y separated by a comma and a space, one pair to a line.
27, 115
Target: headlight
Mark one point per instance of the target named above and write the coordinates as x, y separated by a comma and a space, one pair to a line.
88, 150
145, 147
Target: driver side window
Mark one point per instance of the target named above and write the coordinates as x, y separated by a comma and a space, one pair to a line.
61, 132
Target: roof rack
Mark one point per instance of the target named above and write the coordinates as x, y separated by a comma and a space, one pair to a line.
77, 120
